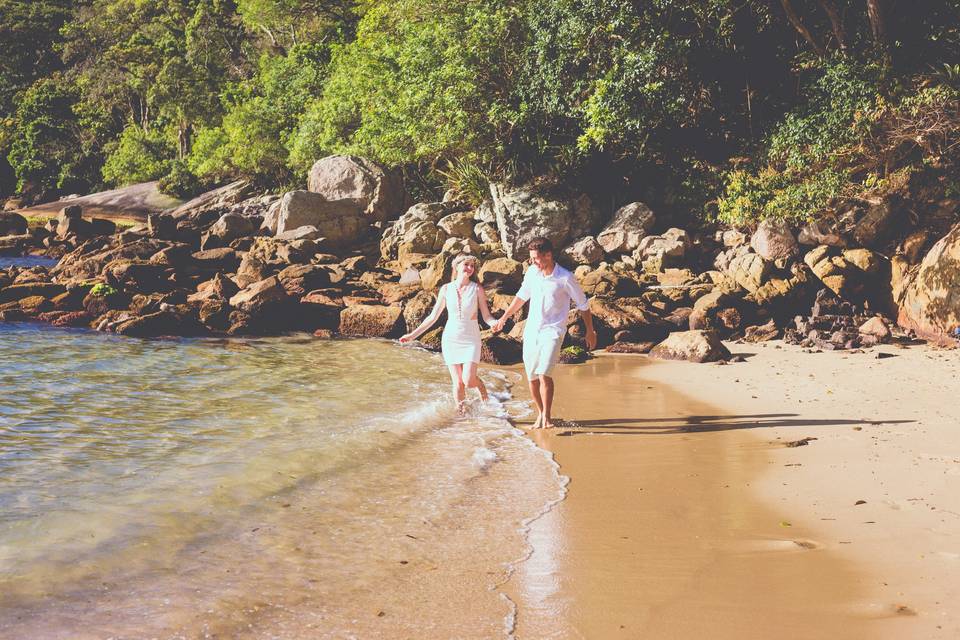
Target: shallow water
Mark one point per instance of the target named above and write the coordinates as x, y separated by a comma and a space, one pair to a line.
253, 488
27, 261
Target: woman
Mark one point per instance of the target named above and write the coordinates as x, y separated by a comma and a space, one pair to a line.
462, 297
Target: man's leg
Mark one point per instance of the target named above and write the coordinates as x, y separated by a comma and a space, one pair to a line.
534, 382
546, 401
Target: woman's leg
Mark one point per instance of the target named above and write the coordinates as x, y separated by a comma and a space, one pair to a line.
459, 392
471, 379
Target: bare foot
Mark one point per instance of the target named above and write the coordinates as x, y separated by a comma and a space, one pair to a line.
462, 408
548, 424
538, 423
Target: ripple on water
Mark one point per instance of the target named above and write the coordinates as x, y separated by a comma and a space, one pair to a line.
225, 486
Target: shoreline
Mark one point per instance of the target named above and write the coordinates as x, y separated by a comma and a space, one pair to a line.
690, 531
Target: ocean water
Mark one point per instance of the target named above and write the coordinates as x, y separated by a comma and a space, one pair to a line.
27, 261
268, 488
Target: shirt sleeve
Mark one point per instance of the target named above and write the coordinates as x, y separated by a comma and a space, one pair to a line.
524, 292
576, 293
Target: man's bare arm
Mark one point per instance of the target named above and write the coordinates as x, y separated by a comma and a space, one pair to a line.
591, 336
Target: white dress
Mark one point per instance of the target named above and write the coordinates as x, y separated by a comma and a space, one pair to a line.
461, 335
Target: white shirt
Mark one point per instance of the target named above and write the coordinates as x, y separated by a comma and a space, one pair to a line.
550, 298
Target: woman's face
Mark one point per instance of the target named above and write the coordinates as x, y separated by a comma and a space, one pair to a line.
468, 268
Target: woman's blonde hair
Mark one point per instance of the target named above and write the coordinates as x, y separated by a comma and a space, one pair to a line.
461, 259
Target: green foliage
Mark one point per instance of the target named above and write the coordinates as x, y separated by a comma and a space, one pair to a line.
468, 179
260, 116
138, 156
47, 150
422, 81
103, 289
782, 195
180, 181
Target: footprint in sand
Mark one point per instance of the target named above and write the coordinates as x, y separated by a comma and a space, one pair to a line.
781, 546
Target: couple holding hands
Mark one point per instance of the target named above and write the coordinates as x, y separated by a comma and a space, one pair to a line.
550, 289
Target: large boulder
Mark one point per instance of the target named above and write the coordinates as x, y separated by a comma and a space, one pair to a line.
931, 302
340, 222
584, 250
12, 224
527, 212
504, 273
377, 192
629, 225
693, 346
774, 240
372, 321
416, 232
260, 295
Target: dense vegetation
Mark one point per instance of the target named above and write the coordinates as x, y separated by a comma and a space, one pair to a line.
734, 109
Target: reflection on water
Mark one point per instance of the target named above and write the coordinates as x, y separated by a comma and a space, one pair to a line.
260, 488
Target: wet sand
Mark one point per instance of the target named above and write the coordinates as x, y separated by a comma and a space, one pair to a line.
677, 522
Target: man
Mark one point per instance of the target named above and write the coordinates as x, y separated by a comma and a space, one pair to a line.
550, 289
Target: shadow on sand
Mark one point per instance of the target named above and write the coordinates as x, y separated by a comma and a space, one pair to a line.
698, 424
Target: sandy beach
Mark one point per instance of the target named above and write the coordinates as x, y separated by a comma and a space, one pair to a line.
688, 516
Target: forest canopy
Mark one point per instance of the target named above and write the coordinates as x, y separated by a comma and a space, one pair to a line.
731, 109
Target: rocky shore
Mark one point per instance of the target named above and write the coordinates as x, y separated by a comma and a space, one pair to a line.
352, 256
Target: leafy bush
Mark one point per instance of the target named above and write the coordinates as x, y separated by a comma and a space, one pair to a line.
138, 156
102, 289
180, 181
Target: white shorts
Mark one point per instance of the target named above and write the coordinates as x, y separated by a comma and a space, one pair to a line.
541, 352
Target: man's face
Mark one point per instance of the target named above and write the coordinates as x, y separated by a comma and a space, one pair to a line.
542, 260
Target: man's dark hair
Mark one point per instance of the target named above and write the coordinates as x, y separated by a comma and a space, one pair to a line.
540, 245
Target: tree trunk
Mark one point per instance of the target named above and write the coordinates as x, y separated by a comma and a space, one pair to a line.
802, 28
879, 28
184, 140
836, 23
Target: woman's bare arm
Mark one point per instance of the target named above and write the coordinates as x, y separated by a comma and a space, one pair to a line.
429, 321
484, 308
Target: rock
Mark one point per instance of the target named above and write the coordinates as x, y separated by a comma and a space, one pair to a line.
931, 302
527, 212
298, 280
223, 259
415, 232
749, 271
878, 221
217, 288
584, 250
437, 272
818, 233
629, 225
418, 308
762, 333
499, 349
866, 260
12, 224
161, 323
693, 346
212, 203
604, 281
375, 191
250, 270
877, 328
340, 222
669, 248
773, 240
733, 238
74, 226
72, 319
135, 275
486, 233
259, 296
372, 321
626, 314
307, 232
631, 347
214, 314
502, 273
913, 245
707, 308
231, 226
457, 225
272, 218
28, 289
